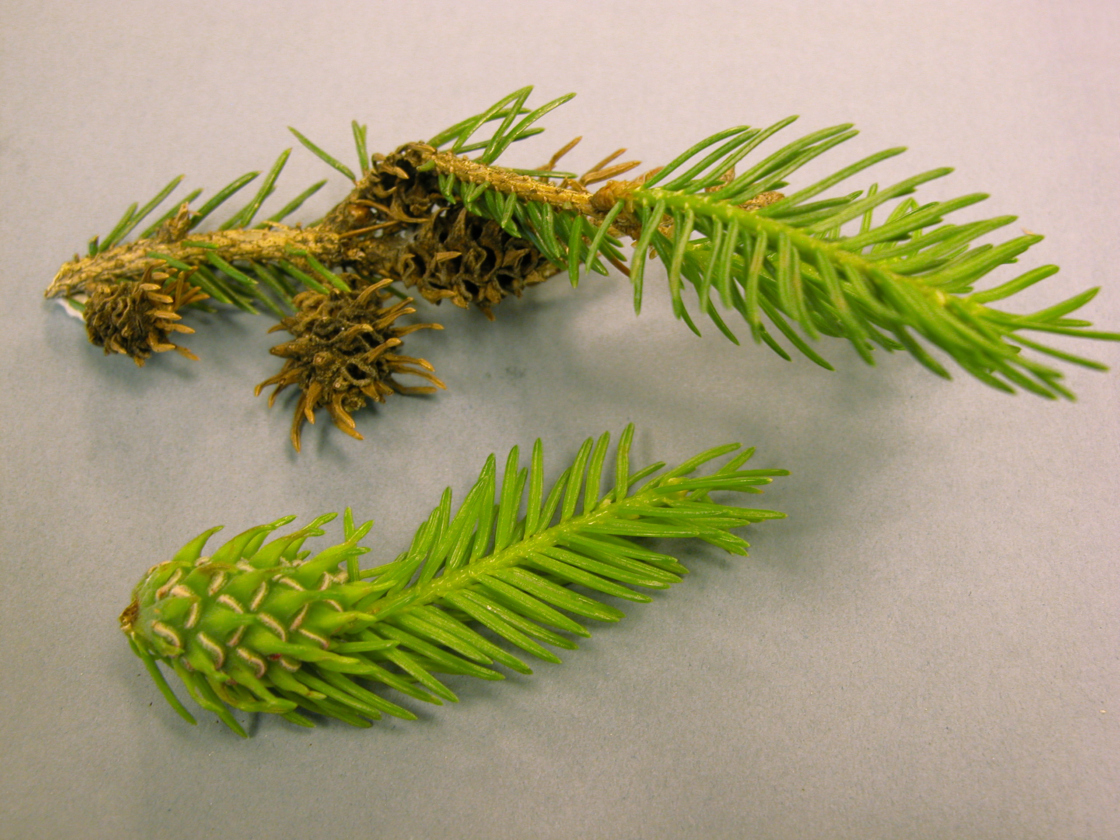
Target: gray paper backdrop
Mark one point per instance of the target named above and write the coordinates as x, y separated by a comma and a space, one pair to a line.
927, 647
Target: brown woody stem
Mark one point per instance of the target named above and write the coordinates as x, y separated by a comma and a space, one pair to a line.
506, 181
593, 205
338, 238
129, 262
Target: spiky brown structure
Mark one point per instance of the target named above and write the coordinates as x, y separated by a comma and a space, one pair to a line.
396, 185
398, 223
468, 259
390, 197
135, 317
342, 353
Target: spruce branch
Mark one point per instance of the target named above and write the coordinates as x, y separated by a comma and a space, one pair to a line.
444, 219
394, 225
783, 260
267, 627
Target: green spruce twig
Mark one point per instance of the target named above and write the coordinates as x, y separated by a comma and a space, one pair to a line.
267, 627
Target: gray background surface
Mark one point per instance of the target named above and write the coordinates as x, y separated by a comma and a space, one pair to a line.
927, 647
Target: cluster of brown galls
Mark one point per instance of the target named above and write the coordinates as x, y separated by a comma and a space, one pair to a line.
400, 227
344, 349
443, 251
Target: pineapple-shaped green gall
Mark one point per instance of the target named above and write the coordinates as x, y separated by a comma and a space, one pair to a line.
262, 625
236, 626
